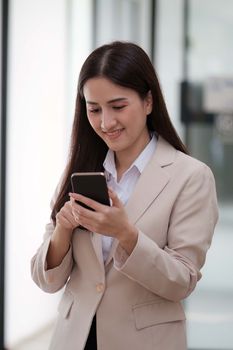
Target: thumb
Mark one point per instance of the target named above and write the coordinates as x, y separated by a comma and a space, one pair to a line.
114, 198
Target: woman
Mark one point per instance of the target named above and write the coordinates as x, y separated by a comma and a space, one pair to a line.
126, 268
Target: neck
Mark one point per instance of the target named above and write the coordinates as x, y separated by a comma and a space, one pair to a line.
125, 159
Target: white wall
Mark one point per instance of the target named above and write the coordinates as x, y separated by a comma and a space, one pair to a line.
36, 151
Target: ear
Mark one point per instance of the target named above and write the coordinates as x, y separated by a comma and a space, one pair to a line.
149, 102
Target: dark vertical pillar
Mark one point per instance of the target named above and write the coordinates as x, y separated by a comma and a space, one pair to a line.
3, 141
185, 85
153, 29
94, 23
185, 38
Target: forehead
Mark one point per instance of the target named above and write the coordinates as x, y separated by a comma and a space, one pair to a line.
102, 89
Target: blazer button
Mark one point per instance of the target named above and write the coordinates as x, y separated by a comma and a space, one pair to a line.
100, 287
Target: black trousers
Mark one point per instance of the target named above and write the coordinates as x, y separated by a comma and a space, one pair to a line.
91, 343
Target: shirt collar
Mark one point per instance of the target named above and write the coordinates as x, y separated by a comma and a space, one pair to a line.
109, 164
144, 157
140, 162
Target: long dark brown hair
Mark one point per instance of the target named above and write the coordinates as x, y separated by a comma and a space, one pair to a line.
125, 64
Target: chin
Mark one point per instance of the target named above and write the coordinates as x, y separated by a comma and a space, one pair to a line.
117, 148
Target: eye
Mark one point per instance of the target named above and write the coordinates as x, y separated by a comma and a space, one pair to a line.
118, 107
94, 110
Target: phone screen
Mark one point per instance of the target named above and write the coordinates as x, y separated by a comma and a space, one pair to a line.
91, 185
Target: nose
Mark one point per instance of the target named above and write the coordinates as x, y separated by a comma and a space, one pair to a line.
108, 122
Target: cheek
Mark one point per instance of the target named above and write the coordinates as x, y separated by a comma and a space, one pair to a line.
139, 117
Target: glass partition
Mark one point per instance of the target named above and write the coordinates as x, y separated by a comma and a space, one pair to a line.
210, 138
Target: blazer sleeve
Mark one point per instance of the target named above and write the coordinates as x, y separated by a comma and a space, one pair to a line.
173, 272
54, 279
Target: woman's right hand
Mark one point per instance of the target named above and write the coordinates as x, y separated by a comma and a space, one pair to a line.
66, 217
66, 222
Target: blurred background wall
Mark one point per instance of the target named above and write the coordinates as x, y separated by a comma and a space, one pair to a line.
190, 43
36, 136
38, 126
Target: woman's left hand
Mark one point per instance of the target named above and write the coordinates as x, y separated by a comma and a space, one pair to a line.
107, 220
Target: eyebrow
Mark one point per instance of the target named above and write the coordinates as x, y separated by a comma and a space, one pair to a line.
119, 99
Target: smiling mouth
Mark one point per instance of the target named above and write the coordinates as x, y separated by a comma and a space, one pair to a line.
114, 133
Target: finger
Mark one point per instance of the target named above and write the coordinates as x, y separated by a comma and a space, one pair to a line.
84, 223
74, 217
86, 214
63, 221
72, 201
116, 202
73, 207
88, 201
89, 224
67, 213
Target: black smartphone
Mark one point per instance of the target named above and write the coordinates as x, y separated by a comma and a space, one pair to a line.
91, 185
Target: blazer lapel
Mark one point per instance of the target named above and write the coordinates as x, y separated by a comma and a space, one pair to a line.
149, 186
96, 239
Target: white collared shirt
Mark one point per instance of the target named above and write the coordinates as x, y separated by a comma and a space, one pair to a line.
125, 186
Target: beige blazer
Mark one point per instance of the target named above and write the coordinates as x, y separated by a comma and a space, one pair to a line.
137, 298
